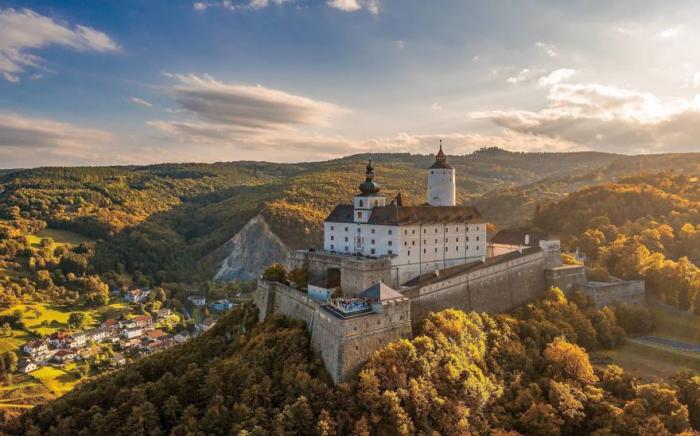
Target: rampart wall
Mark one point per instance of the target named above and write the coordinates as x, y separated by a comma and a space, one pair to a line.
493, 289
607, 293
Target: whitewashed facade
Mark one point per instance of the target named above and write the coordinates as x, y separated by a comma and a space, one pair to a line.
419, 239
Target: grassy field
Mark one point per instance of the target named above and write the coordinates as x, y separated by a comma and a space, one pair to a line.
13, 342
44, 318
59, 237
652, 362
56, 380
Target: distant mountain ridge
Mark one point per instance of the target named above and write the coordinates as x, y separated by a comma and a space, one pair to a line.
174, 220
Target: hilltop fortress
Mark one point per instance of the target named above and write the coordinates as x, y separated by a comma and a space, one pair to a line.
384, 267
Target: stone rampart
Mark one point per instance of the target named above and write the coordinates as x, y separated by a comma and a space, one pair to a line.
607, 293
492, 289
568, 278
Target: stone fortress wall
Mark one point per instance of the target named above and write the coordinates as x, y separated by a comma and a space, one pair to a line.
496, 286
344, 343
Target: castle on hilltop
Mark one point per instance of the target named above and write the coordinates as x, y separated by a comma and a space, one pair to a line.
384, 267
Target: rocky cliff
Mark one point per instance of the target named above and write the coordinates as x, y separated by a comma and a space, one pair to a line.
250, 251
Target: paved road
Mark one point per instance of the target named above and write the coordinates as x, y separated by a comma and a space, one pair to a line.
680, 346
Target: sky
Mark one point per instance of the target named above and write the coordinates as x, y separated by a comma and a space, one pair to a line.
147, 81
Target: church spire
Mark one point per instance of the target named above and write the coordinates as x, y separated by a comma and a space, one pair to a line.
441, 159
369, 186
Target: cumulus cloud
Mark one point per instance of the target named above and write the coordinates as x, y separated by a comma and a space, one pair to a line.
140, 101
549, 49
22, 31
28, 135
522, 76
556, 76
237, 6
595, 116
354, 5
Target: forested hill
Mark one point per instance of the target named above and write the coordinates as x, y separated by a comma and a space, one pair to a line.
169, 221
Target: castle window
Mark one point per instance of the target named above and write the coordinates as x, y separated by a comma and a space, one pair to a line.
467, 238
477, 238
467, 247
390, 243
405, 232
346, 248
436, 249
372, 241
435, 229
424, 230
432, 172
424, 242
346, 229
477, 228
361, 203
359, 215
413, 242
372, 251
331, 246
457, 229
456, 248
332, 228
436, 241
446, 248
409, 252
424, 251
405, 243
359, 230
346, 239
390, 252
372, 230
457, 240
332, 238
390, 232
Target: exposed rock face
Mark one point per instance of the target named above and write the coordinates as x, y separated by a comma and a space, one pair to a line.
250, 251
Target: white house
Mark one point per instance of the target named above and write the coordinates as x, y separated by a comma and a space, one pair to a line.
419, 239
36, 348
132, 333
197, 300
77, 340
136, 295
28, 366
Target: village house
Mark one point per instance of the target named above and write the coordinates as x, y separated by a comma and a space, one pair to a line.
155, 335
36, 348
197, 300
142, 321
223, 305
132, 333
97, 335
164, 312
136, 295
77, 340
206, 324
118, 360
58, 339
63, 356
26, 366
111, 324
181, 337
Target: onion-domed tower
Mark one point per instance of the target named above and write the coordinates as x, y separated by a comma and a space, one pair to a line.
442, 188
368, 197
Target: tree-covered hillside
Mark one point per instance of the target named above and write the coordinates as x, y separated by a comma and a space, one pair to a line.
527, 372
168, 222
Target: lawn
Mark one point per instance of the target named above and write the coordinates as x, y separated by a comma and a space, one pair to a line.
56, 380
653, 362
12, 343
60, 237
48, 317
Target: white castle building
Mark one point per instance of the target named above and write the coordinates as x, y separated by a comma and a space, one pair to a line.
418, 239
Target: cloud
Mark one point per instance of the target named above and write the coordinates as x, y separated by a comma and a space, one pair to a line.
693, 82
248, 106
140, 101
241, 6
400, 44
22, 31
671, 32
549, 49
556, 76
28, 135
609, 117
523, 75
354, 5
436, 106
